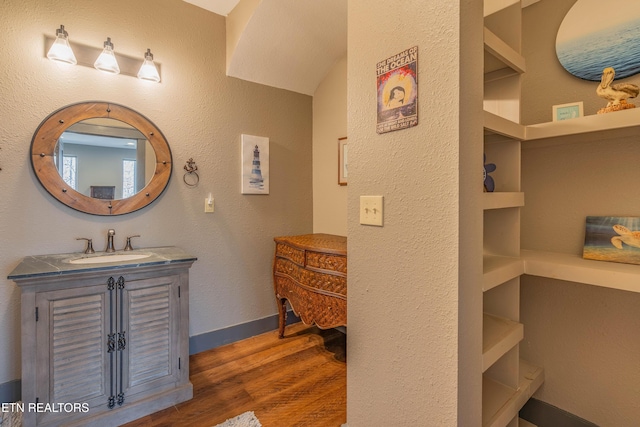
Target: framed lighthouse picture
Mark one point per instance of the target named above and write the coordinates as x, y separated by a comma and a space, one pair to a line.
255, 164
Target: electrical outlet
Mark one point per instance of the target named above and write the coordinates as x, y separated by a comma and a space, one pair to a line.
208, 205
371, 210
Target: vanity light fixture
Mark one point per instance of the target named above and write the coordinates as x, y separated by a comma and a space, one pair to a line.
148, 71
107, 60
60, 49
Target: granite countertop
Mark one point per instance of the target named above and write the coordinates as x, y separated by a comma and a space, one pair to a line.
59, 264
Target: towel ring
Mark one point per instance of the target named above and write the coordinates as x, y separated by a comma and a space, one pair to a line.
191, 169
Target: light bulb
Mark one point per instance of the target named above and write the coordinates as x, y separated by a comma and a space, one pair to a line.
107, 60
61, 50
148, 71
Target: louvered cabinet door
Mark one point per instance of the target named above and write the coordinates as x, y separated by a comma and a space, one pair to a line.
151, 310
71, 345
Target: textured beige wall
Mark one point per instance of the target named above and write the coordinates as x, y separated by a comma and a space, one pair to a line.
414, 358
329, 124
201, 112
585, 337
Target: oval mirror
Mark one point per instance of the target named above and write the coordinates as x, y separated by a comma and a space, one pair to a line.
101, 158
588, 42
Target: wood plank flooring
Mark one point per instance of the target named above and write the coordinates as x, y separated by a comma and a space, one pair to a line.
297, 381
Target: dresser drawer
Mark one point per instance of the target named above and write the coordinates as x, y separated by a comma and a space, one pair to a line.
329, 262
284, 267
290, 253
313, 308
313, 280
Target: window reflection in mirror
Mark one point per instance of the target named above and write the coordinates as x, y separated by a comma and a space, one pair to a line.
104, 158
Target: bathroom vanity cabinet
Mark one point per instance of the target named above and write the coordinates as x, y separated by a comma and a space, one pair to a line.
104, 344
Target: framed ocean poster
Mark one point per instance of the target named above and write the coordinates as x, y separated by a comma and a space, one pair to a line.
612, 238
255, 164
397, 91
591, 38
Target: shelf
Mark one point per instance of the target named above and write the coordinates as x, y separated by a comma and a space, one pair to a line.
502, 200
588, 128
494, 124
500, 404
499, 270
573, 268
499, 335
525, 423
503, 61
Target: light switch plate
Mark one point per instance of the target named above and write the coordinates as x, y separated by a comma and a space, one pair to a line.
371, 210
208, 207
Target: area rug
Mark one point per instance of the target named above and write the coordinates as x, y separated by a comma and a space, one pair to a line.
248, 419
10, 419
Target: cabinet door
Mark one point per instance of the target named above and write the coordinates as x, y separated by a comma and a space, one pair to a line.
151, 321
72, 354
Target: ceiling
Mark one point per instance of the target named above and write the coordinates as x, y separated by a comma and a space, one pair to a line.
221, 7
288, 44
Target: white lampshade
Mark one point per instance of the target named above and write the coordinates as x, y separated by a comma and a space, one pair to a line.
107, 60
148, 71
61, 50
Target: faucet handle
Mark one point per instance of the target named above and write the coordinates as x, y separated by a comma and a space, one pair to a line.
128, 246
89, 249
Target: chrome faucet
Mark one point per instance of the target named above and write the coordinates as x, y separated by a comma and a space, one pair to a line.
110, 235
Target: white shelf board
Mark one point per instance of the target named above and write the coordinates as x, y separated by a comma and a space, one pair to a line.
502, 57
502, 200
501, 126
499, 269
595, 124
500, 404
524, 423
499, 335
573, 268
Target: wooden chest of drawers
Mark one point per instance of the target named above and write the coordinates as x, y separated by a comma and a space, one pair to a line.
310, 271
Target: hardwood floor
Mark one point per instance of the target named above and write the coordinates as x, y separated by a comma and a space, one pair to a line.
297, 381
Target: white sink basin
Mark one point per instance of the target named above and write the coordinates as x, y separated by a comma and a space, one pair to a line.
108, 258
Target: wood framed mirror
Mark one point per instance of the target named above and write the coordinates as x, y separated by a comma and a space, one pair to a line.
138, 175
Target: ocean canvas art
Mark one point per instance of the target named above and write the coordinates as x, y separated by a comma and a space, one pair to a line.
590, 39
611, 238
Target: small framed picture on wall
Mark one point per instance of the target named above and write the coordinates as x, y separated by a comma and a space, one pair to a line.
255, 164
343, 168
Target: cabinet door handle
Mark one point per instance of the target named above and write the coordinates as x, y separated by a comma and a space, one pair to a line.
111, 343
122, 340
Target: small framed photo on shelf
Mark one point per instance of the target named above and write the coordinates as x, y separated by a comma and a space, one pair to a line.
614, 239
342, 161
567, 111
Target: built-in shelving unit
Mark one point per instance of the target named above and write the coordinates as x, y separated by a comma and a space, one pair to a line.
508, 382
